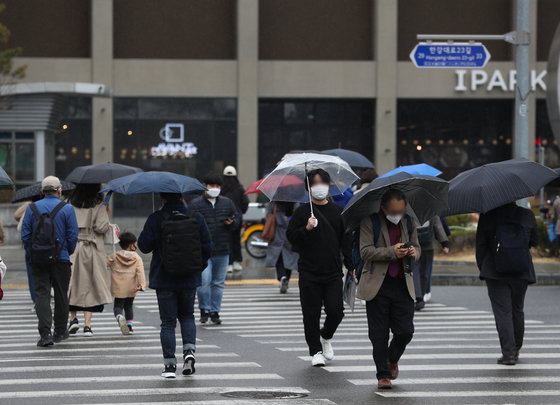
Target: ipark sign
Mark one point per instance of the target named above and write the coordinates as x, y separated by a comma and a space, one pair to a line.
475, 79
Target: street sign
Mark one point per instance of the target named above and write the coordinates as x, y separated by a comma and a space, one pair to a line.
450, 55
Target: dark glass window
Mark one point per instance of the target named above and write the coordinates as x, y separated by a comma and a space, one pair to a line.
544, 133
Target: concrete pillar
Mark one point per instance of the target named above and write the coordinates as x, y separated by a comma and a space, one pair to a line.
247, 89
385, 40
40, 156
532, 100
102, 72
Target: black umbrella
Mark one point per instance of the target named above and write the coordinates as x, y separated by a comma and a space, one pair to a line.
101, 173
354, 159
33, 191
492, 185
426, 197
556, 181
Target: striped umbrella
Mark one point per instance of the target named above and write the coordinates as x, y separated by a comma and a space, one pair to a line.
495, 184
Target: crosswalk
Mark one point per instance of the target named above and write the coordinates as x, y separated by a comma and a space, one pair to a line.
452, 358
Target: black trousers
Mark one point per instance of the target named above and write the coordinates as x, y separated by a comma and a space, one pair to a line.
313, 296
392, 309
124, 306
507, 298
235, 246
282, 271
57, 275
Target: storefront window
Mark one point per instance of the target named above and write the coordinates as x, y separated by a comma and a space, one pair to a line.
454, 135
287, 125
547, 139
17, 156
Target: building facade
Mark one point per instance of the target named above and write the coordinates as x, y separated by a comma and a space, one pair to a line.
197, 85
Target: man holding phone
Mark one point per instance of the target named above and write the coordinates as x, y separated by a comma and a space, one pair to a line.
388, 245
222, 218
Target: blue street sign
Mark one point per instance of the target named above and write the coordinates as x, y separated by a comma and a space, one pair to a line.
450, 55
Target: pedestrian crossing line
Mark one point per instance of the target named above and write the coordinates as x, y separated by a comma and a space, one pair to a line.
30, 369
440, 356
463, 380
245, 334
413, 346
136, 378
486, 393
69, 349
120, 392
298, 401
80, 357
337, 341
129, 339
443, 367
141, 329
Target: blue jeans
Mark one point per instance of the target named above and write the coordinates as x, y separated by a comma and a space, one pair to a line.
176, 304
211, 291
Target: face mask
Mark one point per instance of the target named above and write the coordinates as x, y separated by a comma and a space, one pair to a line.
320, 191
395, 219
213, 192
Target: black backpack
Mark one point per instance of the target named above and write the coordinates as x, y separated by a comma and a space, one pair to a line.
181, 248
45, 247
512, 253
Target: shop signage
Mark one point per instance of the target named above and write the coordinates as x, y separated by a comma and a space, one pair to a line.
495, 80
174, 145
450, 55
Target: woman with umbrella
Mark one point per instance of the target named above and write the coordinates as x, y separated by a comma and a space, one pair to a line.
89, 285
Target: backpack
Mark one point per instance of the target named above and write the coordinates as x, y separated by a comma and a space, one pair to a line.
45, 247
512, 247
376, 226
181, 248
425, 235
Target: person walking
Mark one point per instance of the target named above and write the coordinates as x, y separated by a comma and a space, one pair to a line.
233, 190
19, 215
503, 241
89, 286
388, 245
127, 278
428, 234
321, 243
365, 179
222, 219
279, 253
556, 217
175, 269
49, 233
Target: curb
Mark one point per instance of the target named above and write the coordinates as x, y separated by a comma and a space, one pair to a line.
474, 280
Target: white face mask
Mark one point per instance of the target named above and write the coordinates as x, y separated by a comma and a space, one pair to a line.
395, 219
213, 192
320, 191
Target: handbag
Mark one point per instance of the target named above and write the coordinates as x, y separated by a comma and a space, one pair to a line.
269, 229
111, 237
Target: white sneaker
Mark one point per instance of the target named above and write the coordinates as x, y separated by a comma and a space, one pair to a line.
427, 297
237, 266
318, 360
122, 325
328, 351
229, 269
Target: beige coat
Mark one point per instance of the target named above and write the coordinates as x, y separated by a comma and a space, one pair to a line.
378, 256
127, 272
20, 214
89, 284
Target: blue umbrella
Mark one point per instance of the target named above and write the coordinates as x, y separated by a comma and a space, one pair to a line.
5, 182
154, 182
354, 159
421, 168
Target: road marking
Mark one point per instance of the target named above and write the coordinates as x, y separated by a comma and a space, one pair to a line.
445, 367
30, 369
463, 380
445, 394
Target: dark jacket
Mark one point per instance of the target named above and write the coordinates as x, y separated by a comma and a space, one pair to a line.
150, 241
237, 195
215, 217
486, 241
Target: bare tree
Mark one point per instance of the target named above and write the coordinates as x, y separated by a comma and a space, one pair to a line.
9, 75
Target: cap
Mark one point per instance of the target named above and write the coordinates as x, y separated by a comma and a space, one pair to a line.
230, 171
50, 183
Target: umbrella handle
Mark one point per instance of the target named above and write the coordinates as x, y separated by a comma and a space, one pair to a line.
309, 191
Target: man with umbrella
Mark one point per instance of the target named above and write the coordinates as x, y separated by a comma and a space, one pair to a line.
319, 239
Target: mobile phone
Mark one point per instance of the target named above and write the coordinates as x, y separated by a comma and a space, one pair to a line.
407, 245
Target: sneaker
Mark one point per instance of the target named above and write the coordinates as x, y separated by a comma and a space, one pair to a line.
204, 315
188, 363
318, 360
59, 337
33, 310
420, 305
284, 284
122, 324
74, 326
87, 331
427, 297
230, 269
237, 266
169, 371
215, 318
45, 341
130, 331
328, 351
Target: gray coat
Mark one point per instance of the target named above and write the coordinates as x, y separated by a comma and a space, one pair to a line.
438, 234
280, 245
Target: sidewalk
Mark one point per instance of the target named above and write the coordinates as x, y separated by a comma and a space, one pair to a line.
446, 270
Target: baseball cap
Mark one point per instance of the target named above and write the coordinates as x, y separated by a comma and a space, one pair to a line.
50, 183
230, 171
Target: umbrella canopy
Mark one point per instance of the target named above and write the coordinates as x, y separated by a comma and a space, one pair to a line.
33, 191
154, 182
426, 197
5, 182
556, 181
421, 168
101, 173
354, 159
298, 165
286, 182
492, 185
